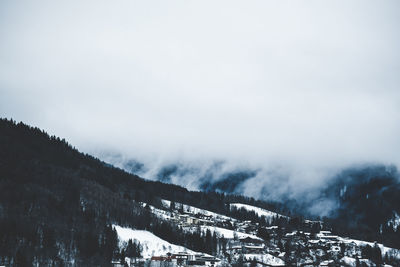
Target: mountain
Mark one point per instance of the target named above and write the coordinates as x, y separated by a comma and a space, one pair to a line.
56, 202
60, 207
361, 201
368, 203
210, 176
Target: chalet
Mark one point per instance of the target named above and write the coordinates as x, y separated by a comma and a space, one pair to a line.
326, 263
291, 234
250, 240
206, 217
273, 250
234, 248
246, 245
196, 263
327, 235
248, 249
205, 222
181, 258
325, 232
134, 262
315, 243
113, 263
334, 250
186, 219
158, 261
203, 260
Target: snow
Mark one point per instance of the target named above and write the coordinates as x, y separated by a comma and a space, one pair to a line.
265, 258
367, 262
195, 210
151, 244
348, 261
390, 251
395, 221
228, 234
166, 203
162, 214
311, 221
326, 263
259, 211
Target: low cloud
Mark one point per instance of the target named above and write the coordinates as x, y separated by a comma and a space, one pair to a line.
295, 92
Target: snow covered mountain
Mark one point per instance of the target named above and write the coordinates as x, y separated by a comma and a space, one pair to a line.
58, 207
251, 242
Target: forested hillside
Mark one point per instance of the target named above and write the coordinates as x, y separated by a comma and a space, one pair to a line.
368, 201
57, 204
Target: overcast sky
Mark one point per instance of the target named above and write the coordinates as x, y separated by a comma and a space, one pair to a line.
305, 83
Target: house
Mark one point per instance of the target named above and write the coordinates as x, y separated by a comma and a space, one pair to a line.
186, 219
159, 261
205, 222
250, 240
134, 261
234, 247
248, 249
327, 235
206, 217
315, 243
246, 245
352, 249
326, 263
203, 260
334, 250
113, 263
181, 258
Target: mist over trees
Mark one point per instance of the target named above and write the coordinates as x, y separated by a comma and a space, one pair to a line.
58, 206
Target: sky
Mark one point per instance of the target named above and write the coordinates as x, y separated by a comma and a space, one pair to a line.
307, 87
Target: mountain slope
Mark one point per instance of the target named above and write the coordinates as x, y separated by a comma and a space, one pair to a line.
368, 200
151, 244
56, 203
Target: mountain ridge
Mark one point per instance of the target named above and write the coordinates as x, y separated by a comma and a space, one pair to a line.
51, 191
58, 205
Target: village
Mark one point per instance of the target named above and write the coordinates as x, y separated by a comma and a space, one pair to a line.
246, 243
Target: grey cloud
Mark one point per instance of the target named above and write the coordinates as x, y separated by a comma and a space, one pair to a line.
311, 86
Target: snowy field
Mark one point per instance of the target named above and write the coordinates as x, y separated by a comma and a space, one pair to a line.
259, 211
221, 232
266, 259
162, 214
194, 210
152, 245
390, 251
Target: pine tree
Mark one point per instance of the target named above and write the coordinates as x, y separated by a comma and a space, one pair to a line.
109, 244
172, 206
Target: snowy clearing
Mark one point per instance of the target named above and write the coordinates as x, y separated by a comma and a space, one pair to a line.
194, 210
267, 259
259, 211
390, 251
226, 233
152, 245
